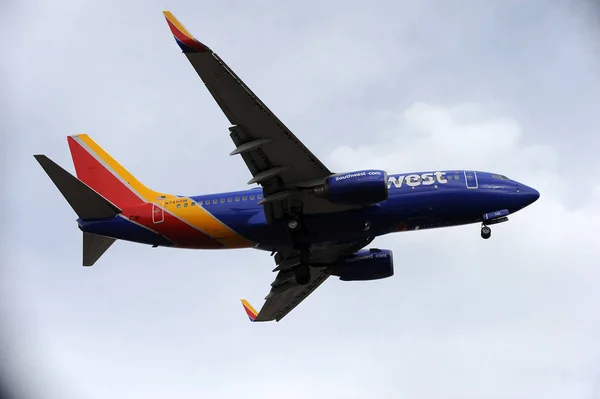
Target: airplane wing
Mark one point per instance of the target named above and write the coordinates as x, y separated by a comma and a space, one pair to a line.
277, 160
279, 303
285, 293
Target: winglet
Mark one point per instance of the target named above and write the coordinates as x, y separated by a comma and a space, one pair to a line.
184, 38
249, 310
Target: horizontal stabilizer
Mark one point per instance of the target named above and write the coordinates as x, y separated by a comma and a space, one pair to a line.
86, 202
94, 246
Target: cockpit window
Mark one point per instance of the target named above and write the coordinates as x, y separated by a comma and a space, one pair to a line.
501, 177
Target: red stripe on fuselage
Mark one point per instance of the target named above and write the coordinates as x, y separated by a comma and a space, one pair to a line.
97, 176
172, 228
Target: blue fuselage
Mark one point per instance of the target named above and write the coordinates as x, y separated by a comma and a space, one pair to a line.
415, 202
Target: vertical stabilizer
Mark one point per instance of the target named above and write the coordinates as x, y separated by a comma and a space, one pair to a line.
99, 170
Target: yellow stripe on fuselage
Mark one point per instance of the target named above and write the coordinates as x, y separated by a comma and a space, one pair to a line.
203, 220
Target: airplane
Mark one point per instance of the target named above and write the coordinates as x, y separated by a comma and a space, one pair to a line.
314, 222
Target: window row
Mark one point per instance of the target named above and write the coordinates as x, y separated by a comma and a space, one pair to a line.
224, 200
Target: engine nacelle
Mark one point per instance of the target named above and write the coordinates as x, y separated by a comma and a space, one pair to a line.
363, 187
368, 264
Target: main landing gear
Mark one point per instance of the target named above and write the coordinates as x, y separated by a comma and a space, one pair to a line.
486, 232
302, 274
293, 224
302, 271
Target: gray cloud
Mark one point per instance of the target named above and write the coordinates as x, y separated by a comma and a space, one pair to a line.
502, 86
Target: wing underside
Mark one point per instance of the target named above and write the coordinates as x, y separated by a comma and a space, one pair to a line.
275, 157
285, 294
278, 161
278, 306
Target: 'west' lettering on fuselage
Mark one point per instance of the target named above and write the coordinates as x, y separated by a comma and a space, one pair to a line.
425, 179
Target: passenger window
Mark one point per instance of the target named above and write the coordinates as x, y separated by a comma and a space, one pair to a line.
449, 177
237, 199
207, 202
215, 201
185, 205
193, 204
229, 199
244, 198
178, 205
222, 200
251, 197
259, 196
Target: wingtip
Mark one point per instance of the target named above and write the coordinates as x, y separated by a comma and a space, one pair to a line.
183, 37
250, 311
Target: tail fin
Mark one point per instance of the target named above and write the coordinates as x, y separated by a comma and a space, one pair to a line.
86, 203
96, 168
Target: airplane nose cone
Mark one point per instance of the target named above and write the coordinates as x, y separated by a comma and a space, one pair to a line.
530, 195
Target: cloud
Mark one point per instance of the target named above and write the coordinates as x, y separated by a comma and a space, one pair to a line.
514, 305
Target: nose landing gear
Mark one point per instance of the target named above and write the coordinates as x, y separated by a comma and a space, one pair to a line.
486, 232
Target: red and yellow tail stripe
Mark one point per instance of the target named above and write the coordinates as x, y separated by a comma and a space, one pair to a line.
185, 225
96, 168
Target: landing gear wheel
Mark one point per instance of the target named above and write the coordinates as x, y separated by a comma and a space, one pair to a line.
302, 275
486, 232
293, 224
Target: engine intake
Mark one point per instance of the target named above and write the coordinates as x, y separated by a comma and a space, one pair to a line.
363, 187
368, 264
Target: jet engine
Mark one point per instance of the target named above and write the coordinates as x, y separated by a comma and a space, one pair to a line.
363, 187
368, 264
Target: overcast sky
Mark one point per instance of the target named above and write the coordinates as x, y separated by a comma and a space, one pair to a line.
502, 85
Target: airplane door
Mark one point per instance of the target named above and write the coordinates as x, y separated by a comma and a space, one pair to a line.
471, 179
158, 214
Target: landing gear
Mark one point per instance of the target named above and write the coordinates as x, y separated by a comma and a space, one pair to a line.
293, 224
295, 218
302, 271
486, 232
303, 274
297, 231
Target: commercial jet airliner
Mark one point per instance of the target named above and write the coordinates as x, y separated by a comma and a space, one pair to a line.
314, 222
